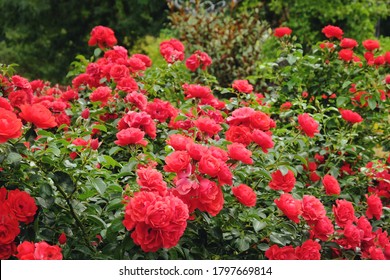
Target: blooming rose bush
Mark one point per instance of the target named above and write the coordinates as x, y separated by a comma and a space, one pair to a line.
133, 161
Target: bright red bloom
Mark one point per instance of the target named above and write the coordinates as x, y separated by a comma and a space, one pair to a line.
118, 72
242, 86
198, 59
282, 31
351, 116
322, 229
179, 142
239, 134
331, 31
9, 228
21, 205
210, 197
209, 165
196, 151
4, 104
151, 180
238, 151
263, 139
102, 94
44, 251
260, 120
160, 110
10, 126
374, 207
177, 161
312, 209
25, 251
39, 115
309, 250
102, 36
282, 182
197, 91
346, 54
130, 136
371, 45
284, 253
7, 250
127, 84
290, 206
344, 212
139, 120
348, 43
308, 125
245, 195
207, 125
331, 185
172, 50
62, 238
285, 106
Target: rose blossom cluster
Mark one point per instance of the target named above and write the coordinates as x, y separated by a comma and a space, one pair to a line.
38, 251
156, 221
16, 207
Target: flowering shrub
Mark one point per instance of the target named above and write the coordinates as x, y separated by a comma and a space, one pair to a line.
133, 161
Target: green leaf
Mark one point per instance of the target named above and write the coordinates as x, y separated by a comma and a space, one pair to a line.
63, 180
257, 225
372, 103
341, 100
99, 185
283, 169
242, 244
278, 239
97, 220
100, 127
13, 158
97, 52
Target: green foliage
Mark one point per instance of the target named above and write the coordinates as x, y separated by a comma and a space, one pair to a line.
232, 37
358, 18
43, 37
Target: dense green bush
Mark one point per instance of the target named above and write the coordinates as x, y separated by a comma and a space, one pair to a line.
232, 37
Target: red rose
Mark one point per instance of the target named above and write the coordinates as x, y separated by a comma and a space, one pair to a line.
139, 120
11, 126
374, 207
331, 31
343, 212
241, 117
209, 165
263, 139
197, 91
4, 103
219, 153
103, 37
364, 225
22, 206
225, 176
39, 115
282, 31
128, 84
376, 253
351, 116
282, 182
348, 43
314, 177
135, 211
239, 134
26, 251
238, 151
260, 120
118, 72
197, 60
9, 228
308, 125
3, 195
210, 197
285, 106
290, 206
62, 238
44, 251
322, 229
346, 54
144, 58
242, 86
179, 142
135, 64
101, 94
151, 180
284, 253
148, 238
193, 62
245, 195
196, 151
19, 97
331, 185
130, 136
7, 250
352, 236
371, 45
172, 50
312, 209
160, 110
207, 125
177, 161
310, 250
387, 79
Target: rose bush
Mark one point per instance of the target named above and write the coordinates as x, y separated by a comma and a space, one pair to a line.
133, 161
